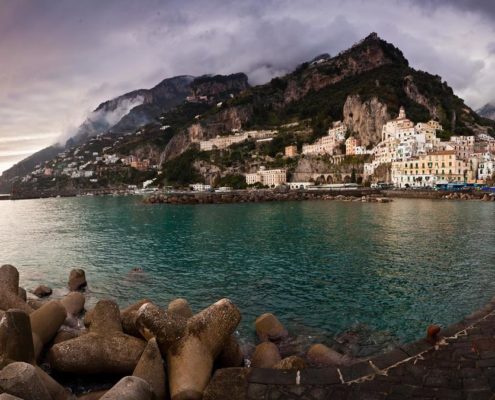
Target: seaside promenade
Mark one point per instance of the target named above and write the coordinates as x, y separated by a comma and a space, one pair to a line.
459, 365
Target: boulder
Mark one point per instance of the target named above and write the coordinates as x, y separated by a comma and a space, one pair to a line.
9, 290
20, 379
45, 322
150, 368
180, 307
16, 342
292, 362
42, 291
129, 316
266, 355
129, 388
231, 355
105, 349
268, 327
191, 345
320, 355
228, 384
77, 280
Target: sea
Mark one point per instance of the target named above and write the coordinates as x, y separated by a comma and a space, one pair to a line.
361, 277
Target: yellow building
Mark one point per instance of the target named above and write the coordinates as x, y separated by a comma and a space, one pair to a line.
291, 151
350, 145
429, 169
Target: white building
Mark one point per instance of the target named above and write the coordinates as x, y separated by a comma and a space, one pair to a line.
222, 142
299, 185
267, 177
327, 144
462, 145
486, 167
200, 187
402, 140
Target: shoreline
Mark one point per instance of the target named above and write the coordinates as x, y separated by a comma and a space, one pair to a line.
357, 195
61, 327
268, 195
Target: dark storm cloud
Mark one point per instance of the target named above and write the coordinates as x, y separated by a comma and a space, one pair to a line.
485, 8
60, 58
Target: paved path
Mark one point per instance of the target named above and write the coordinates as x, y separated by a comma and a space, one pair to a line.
460, 366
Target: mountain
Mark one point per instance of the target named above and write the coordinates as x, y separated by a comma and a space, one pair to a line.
487, 111
364, 86
27, 165
132, 110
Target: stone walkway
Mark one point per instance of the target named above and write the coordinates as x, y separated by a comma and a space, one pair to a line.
461, 365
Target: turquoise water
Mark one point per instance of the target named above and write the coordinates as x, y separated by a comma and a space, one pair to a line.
378, 271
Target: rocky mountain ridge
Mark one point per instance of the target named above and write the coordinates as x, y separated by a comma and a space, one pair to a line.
363, 86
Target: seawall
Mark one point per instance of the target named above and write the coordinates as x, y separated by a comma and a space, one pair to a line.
257, 196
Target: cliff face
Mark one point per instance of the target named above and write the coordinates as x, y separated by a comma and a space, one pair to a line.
364, 56
415, 95
218, 87
134, 109
365, 118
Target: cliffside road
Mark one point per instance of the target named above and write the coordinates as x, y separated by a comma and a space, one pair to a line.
460, 366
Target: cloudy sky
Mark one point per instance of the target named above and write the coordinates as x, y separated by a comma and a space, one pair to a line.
60, 58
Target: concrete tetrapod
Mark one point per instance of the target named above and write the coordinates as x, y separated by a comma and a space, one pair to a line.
231, 355
77, 280
5, 396
16, 342
105, 349
268, 327
73, 304
129, 316
45, 322
16, 345
150, 368
192, 345
10, 296
20, 379
129, 388
181, 307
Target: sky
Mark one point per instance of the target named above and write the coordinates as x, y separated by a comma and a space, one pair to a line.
60, 58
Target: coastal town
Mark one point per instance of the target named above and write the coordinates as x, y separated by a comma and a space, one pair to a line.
412, 155
417, 157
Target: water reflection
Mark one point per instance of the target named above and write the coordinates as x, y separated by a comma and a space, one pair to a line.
382, 270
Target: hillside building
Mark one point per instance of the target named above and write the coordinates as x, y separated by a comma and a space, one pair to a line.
223, 142
329, 143
430, 169
291, 151
267, 177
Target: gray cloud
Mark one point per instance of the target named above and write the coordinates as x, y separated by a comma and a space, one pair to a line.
61, 58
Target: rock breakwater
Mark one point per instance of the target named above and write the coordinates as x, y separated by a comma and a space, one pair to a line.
258, 196
146, 351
